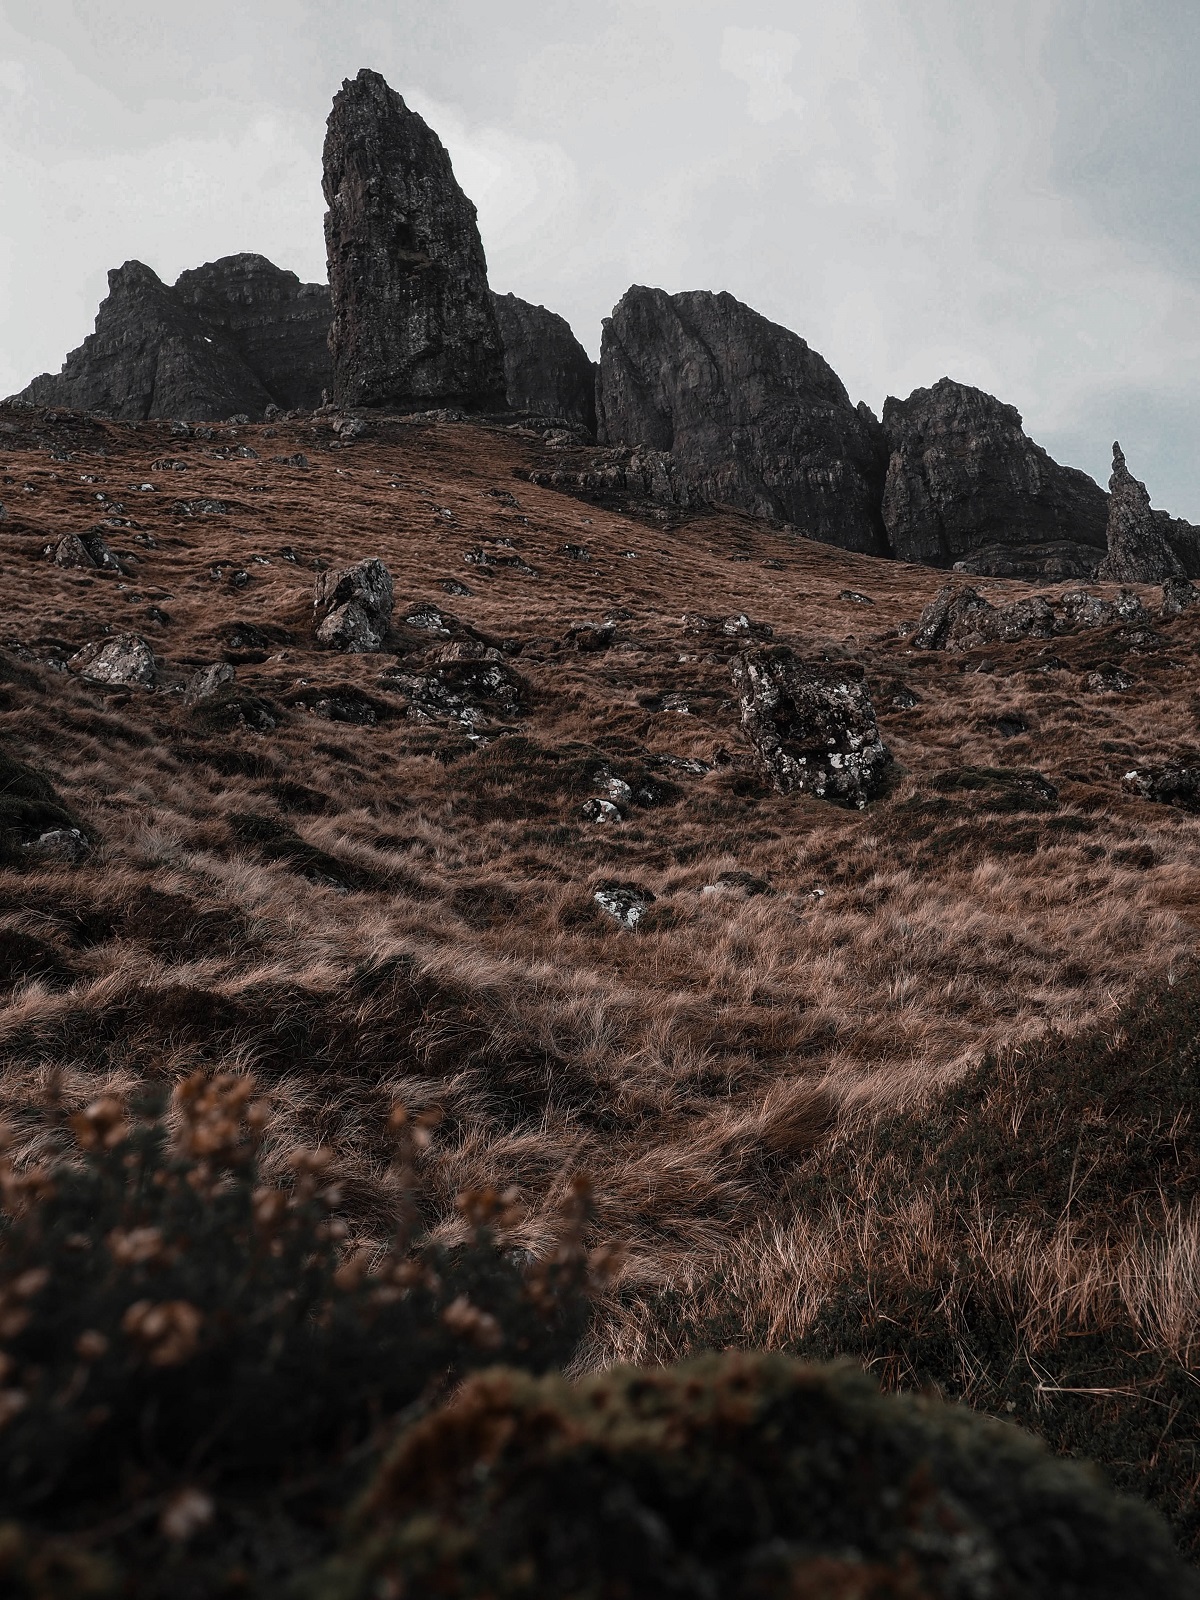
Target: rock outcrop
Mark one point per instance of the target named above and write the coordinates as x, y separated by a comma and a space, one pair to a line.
746, 411
123, 660
966, 486
355, 607
812, 724
276, 324
1137, 549
1171, 784
414, 325
229, 339
546, 369
959, 618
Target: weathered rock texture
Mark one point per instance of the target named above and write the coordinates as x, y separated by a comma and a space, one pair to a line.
966, 485
125, 658
230, 339
812, 724
748, 413
546, 369
959, 618
1137, 550
355, 607
413, 319
276, 324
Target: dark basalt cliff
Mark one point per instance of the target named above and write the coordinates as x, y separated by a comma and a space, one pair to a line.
413, 321
231, 338
546, 369
751, 414
966, 485
151, 356
276, 324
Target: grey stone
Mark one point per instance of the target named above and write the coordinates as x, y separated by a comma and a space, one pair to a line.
1171, 784
1178, 595
546, 370
959, 618
1108, 679
85, 550
812, 724
625, 903
206, 682
126, 658
355, 607
413, 321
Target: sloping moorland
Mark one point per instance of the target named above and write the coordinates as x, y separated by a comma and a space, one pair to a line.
914, 1084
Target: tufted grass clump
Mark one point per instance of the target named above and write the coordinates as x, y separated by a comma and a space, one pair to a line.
196, 1364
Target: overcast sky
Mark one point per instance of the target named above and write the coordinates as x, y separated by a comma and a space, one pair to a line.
1004, 193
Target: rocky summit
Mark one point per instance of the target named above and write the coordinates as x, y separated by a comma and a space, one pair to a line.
967, 487
413, 319
1138, 551
235, 337
752, 416
547, 372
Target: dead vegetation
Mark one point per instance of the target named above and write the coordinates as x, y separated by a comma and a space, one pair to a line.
365, 910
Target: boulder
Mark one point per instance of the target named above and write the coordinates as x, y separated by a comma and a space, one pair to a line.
965, 484
126, 658
229, 339
355, 607
1108, 678
1137, 549
626, 903
1172, 784
1081, 609
414, 325
1178, 595
206, 682
959, 618
88, 550
744, 411
812, 724
468, 682
546, 369
278, 326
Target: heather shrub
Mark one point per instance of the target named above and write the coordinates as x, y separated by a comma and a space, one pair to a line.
736, 1476
193, 1364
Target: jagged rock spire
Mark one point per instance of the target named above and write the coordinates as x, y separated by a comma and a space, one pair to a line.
1137, 550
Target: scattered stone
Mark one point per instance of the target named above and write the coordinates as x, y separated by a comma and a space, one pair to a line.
1171, 784
1178, 595
452, 586
854, 597
88, 550
413, 318
200, 508
70, 845
1082, 609
600, 811
1108, 679
1010, 725
124, 659
959, 618
904, 698
742, 412
590, 637
546, 370
812, 724
428, 618
297, 460
348, 428
206, 682
577, 552
738, 882
1137, 550
626, 903
469, 683
966, 484
356, 603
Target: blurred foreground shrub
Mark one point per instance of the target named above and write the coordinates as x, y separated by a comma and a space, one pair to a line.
737, 1476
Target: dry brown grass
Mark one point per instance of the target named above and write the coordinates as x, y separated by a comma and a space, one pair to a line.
689, 1067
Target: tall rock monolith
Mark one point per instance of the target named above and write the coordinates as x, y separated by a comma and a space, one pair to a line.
1137, 549
749, 414
413, 320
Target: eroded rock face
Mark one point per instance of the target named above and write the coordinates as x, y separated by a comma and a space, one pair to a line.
1137, 549
278, 326
965, 484
745, 411
229, 339
959, 618
124, 659
354, 606
546, 369
1178, 595
413, 320
812, 724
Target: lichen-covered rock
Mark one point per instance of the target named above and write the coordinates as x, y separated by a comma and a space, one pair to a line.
1137, 549
354, 605
126, 658
1082, 609
1108, 678
546, 369
739, 1476
206, 682
812, 724
468, 682
965, 484
1178, 595
746, 413
959, 618
1170, 784
413, 321
626, 903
